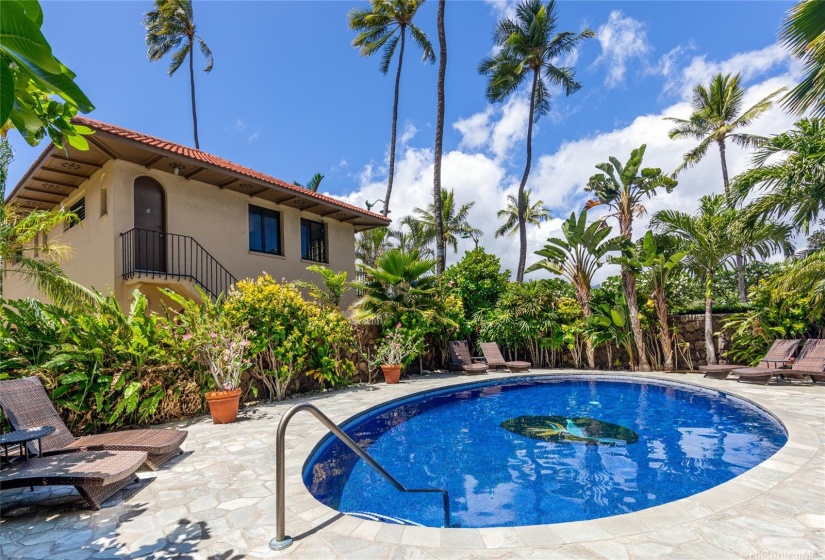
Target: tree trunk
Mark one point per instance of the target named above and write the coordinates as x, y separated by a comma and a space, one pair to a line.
394, 122
740, 260
629, 289
522, 226
192, 87
660, 302
710, 349
441, 253
589, 350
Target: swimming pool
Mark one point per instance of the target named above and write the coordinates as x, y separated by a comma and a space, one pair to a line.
542, 449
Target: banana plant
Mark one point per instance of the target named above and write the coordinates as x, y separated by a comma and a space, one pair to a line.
612, 323
577, 257
622, 188
656, 257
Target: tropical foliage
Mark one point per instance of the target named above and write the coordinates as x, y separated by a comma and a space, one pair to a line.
383, 27
535, 214
803, 34
577, 257
528, 48
30, 79
622, 188
453, 219
170, 28
789, 172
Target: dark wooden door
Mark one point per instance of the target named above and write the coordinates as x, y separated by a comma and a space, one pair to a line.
150, 225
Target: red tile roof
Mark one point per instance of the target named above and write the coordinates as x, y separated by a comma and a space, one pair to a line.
216, 161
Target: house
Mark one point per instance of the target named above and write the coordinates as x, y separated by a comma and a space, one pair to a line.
152, 213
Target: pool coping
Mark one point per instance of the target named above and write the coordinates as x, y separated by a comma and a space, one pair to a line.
305, 515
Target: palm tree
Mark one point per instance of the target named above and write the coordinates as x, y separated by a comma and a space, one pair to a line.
622, 188
371, 244
795, 184
454, 220
26, 252
577, 257
806, 275
382, 27
803, 33
534, 216
717, 233
400, 284
528, 48
312, 184
717, 115
657, 256
440, 250
412, 235
171, 27
335, 285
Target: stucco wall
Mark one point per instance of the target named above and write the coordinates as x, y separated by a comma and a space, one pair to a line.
217, 219
91, 259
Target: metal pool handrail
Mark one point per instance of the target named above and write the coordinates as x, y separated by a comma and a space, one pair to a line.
281, 540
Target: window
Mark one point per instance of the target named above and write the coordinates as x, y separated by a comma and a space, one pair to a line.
79, 211
264, 230
104, 201
313, 241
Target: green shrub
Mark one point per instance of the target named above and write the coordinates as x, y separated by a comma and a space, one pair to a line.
104, 369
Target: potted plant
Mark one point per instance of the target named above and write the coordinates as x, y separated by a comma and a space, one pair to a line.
220, 345
223, 352
395, 351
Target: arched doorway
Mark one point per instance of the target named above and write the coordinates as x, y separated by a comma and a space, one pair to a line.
150, 225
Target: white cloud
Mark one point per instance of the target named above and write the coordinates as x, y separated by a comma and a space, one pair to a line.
503, 8
497, 129
752, 65
478, 171
254, 136
622, 39
407, 134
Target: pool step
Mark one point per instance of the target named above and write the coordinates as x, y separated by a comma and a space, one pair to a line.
372, 516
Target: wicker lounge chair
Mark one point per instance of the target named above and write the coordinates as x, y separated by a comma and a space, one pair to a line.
26, 405
810, 363
495, 360
461, 360
777, 355
95, 474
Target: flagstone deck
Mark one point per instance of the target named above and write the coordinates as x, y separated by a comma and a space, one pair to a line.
217, 501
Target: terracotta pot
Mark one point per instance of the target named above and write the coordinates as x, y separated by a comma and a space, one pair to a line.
223, 405
392, 373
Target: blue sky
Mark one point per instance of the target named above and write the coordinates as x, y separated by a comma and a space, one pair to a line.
289, 96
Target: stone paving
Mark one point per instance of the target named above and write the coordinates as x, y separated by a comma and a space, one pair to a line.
217, 500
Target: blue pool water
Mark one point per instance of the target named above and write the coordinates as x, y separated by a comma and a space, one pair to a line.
677, 441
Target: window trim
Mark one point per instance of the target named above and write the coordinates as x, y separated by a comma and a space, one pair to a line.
261, 210
324, 239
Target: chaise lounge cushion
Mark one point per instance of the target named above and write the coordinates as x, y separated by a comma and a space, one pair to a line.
494, 358
96, 474
25, 403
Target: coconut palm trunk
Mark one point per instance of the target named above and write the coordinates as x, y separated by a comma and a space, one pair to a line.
394, 122
192, 87
440, 249
522, 205
740, 261
660, 304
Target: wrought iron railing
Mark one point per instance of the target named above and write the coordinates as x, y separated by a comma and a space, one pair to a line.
157, 254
